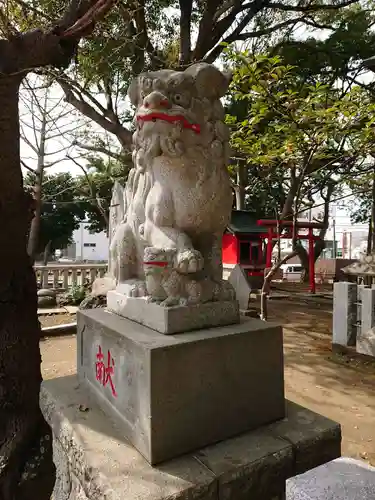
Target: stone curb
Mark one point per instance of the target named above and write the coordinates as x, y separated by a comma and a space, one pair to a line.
93, 459
59, 330
73, 450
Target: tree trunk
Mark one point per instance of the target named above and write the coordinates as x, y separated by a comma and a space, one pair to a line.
319, 245
241, 185
32, 246
267, 284
26, 467
47, 251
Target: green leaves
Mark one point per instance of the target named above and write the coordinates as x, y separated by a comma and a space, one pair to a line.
287, 118
300, 134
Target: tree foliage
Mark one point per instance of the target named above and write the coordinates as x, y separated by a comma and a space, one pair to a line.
94, 189
301, 139
60, 211
149, 34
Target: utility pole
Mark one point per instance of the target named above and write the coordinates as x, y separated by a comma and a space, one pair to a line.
334, 237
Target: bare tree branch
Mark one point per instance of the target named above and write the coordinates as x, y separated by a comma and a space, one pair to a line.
123, 135
27, 167
311, 7
266, 31
99, 149
56, 46
206, 29
222, 26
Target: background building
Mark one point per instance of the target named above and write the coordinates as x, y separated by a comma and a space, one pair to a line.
87, 246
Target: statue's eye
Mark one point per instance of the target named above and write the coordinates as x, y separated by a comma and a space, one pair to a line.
181, 99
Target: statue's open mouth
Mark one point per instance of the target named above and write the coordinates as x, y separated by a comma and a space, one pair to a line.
152, 117
156, 263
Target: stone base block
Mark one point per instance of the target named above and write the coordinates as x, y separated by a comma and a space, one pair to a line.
95, 462
175, 393
170, 320
366, 342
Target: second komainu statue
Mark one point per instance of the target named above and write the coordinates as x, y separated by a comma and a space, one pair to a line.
167, 223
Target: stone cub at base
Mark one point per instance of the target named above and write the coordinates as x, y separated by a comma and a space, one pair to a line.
166, 286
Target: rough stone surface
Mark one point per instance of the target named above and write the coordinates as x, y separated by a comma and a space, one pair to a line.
45, 301
366, 336
172, 394
341, 479
166, 226
344, 314
315, 438
46, 292
363, 267
103, 465
101, 286
251, 466
366, 342
241, 285
170, 320
93, 301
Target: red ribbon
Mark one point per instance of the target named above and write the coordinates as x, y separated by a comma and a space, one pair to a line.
171, 119
156, 263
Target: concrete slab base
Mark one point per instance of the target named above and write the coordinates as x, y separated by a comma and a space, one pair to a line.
95, 462
341, 479
176, 393
170, 320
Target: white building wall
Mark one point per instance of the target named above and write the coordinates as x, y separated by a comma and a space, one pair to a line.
90, 247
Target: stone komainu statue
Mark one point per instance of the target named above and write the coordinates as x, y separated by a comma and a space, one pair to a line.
178, 194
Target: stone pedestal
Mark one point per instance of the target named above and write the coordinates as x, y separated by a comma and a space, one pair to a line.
95, 462
366, 336
344, 314
170, 320
177, 393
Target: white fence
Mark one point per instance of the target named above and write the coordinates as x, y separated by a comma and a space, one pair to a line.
63, 276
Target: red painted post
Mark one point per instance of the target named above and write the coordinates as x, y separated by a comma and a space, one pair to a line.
311, 262
269, 248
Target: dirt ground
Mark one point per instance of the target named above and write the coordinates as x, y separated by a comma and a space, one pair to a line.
340, 387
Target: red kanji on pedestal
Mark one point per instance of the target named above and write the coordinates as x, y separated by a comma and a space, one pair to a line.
104, 373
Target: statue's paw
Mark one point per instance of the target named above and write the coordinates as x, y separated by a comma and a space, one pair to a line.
170, 302
189, 261
153, 300
138, 290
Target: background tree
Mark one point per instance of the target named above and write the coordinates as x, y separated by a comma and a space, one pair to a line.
47, 129
60, 211
26, 467
363, 210
139, 35
94, 187
302, 140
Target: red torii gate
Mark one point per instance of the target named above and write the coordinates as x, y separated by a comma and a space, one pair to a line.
286, 232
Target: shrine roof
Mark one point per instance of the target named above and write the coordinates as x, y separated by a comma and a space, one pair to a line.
244, 222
